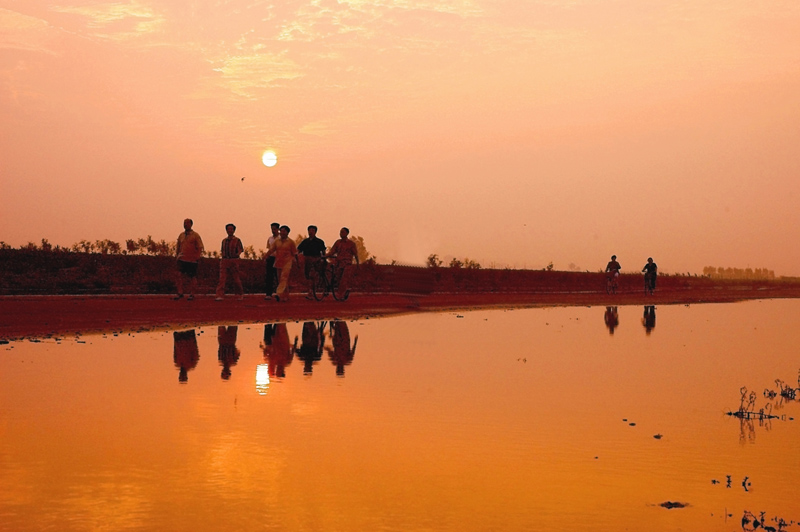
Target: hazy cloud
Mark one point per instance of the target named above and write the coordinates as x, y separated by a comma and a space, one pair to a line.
244, 75
117, 20
25, 33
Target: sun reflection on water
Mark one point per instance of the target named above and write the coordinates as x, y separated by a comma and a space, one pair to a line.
262, 379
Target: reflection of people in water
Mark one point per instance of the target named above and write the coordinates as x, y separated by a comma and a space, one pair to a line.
278, 351
649, 318
341, 354
228, 354
611, 319
310, 350
185, 353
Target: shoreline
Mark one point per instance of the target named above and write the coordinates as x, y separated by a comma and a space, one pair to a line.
42, 316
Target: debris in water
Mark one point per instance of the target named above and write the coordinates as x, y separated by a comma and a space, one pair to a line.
670, 505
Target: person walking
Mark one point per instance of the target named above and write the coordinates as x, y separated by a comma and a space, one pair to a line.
285, 252
312, 249
344, 252
229, 263
272, 273
189, 250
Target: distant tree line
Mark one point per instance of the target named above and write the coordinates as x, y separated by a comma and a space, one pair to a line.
434, 261
158, 248
738, 273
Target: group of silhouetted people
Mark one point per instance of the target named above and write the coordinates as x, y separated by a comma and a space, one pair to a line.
282, 254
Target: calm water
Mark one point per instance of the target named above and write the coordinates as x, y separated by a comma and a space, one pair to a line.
535, 419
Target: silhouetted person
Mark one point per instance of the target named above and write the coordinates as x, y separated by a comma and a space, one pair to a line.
284, 250
228, 354
343, 252
278, 353
189, 250
312, 250
612, 319
185, 353
229, 263
650, 271
341, 354
310, 350
649, 318
272, 273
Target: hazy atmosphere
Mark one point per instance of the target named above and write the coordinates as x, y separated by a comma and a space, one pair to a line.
514, 133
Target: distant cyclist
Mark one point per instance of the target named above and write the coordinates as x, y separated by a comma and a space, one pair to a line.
650, 271
612, 275
613, 267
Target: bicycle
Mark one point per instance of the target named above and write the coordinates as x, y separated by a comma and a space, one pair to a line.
326, 280
612, 283
649, 283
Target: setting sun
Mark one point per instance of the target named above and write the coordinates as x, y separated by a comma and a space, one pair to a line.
269, 158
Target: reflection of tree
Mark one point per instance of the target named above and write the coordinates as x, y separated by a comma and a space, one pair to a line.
612, 319
185, 353
310, 350
278, 352
341, 354
649, 318
228, 354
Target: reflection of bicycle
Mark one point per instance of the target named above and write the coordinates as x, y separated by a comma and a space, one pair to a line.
649, 283
612, 283
327, 279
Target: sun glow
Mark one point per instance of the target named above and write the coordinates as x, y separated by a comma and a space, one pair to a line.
269, 158
262, 379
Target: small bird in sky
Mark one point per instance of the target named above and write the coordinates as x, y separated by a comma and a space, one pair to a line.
242, 179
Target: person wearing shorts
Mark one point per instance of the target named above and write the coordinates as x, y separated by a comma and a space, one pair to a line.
189, 250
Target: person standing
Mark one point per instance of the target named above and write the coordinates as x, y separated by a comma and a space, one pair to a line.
312, 250
272, 273
189, 250
229, 264
285, 251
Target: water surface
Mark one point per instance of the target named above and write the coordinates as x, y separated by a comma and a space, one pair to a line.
487, 420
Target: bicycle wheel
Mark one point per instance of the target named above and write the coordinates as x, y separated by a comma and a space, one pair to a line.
339, 292
319, 285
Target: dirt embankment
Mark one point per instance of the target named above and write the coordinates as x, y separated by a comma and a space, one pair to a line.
59, 293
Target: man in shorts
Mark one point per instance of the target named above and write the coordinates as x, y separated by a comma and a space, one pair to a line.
312, 249
189, 250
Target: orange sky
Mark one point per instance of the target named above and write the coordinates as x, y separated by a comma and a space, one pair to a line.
511, 132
